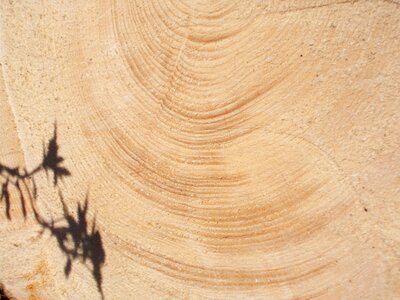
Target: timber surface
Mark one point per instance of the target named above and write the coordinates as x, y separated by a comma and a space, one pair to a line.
227, 149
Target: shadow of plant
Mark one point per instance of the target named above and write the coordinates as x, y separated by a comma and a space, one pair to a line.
77, 241
76, 238
19, 178
52, 160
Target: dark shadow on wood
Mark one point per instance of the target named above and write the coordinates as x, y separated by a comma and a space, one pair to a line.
19, 178
75, 237
52, 160
4, 294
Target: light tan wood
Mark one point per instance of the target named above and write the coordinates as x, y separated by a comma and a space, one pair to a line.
226, 149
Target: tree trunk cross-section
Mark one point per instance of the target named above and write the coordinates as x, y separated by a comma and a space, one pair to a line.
200, 149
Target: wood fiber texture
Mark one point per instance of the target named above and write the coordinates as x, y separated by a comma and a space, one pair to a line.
200, 149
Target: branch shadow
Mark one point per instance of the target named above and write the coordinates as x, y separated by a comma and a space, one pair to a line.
19, 178
51, 159
76, 238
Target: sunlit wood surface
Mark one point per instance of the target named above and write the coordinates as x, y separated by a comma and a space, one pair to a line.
227, 149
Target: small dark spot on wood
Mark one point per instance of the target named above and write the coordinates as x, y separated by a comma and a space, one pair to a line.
365, 209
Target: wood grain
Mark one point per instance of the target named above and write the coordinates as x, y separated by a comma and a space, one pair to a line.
227, 149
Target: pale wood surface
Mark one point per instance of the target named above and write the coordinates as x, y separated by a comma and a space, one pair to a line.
227, 149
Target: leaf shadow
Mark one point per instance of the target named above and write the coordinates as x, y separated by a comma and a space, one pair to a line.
76, 238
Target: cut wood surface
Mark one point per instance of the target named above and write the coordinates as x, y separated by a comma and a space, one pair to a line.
200, 149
